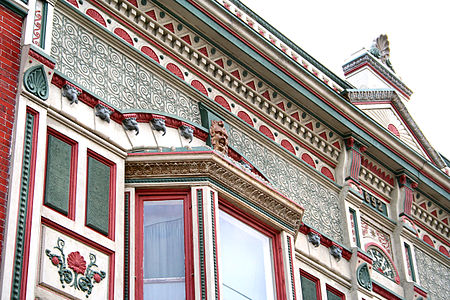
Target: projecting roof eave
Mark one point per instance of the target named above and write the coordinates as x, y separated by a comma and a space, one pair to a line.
304, 89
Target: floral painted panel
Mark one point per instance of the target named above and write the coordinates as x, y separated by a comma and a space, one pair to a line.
433, 275
112, 76
321, 205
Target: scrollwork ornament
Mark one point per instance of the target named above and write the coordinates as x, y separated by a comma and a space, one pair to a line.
35, 81
73, 270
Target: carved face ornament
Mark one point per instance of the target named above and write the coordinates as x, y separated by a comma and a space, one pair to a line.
219, 136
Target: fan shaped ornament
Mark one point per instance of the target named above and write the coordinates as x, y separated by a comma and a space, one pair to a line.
380, 49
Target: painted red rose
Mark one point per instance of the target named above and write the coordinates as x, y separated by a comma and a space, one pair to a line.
76, 262
97, 277
55, 260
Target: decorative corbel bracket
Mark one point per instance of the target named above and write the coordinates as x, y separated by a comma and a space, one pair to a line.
355, 149
71, 92
336, 252
314, 238
129, 123
159, 123
187, 131
35, 82
103, 112
407, 186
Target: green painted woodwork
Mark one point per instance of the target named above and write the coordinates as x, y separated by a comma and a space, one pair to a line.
213, 228
410, 260
35, 82
97, 202
291, 271
309, 288
23, 207
331, 296
201, 242
355, 227
14, 7
57, 177
363, 276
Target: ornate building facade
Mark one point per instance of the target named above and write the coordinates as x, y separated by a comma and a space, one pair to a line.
180, 149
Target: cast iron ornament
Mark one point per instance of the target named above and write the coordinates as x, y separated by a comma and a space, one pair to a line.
159, 124
71, 93
103, 112
187, 132
336, 252
131, 124
314, 239
73, 271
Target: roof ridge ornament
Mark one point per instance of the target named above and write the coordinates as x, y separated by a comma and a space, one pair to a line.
380, 49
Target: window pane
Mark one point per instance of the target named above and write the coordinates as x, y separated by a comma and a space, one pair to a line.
246, 269
164, 250
309, 288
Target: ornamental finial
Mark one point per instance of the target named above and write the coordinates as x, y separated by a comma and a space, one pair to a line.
380, 49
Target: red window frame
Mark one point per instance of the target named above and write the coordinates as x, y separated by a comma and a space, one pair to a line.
316, 280
266, 230
112, 192
335, 291
155, 195
73, 171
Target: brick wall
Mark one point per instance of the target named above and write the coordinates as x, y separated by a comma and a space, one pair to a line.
10, 34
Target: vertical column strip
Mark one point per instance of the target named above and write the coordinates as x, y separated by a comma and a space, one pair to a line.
201, 243
409, 262
20, 269
355, 227
291, 268
126, 271
216, 271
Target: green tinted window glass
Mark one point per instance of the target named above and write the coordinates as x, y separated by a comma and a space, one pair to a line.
57, 177
309, 288
97, 203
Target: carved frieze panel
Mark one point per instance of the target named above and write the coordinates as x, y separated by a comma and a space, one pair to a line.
70, 267
112, 76
372, 234
320, 203
433, 275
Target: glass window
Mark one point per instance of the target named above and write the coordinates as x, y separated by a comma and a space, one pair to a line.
163, 259
246, 261
310, 286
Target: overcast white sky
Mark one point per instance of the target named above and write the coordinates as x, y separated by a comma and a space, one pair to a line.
419, 36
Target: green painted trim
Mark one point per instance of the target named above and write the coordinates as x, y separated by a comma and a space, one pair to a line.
363, 276
43, 54
355, 227
14, 7
319, 102
44, 24
126, 273
411, 264
213, 227
290, 268
199, 179
35, 82
201, 241
288, 42
23, 207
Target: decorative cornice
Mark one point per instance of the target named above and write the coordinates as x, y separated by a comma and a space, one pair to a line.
367, 58
370, 95
212, 165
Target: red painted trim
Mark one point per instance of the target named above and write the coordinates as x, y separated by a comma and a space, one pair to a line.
255, 223
73, 171
380, 290
420, 291
41, 59
315, 280
381, 75
261, 117
445, 242
164, 194
335, 291
29, 213
396, 278
112, 191
364, 257
90, 243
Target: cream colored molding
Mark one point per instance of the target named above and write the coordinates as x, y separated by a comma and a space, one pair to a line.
262, 197
428, 219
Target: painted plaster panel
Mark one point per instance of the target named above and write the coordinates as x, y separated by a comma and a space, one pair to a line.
433, 275
50, 277
321, 204
112, 76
